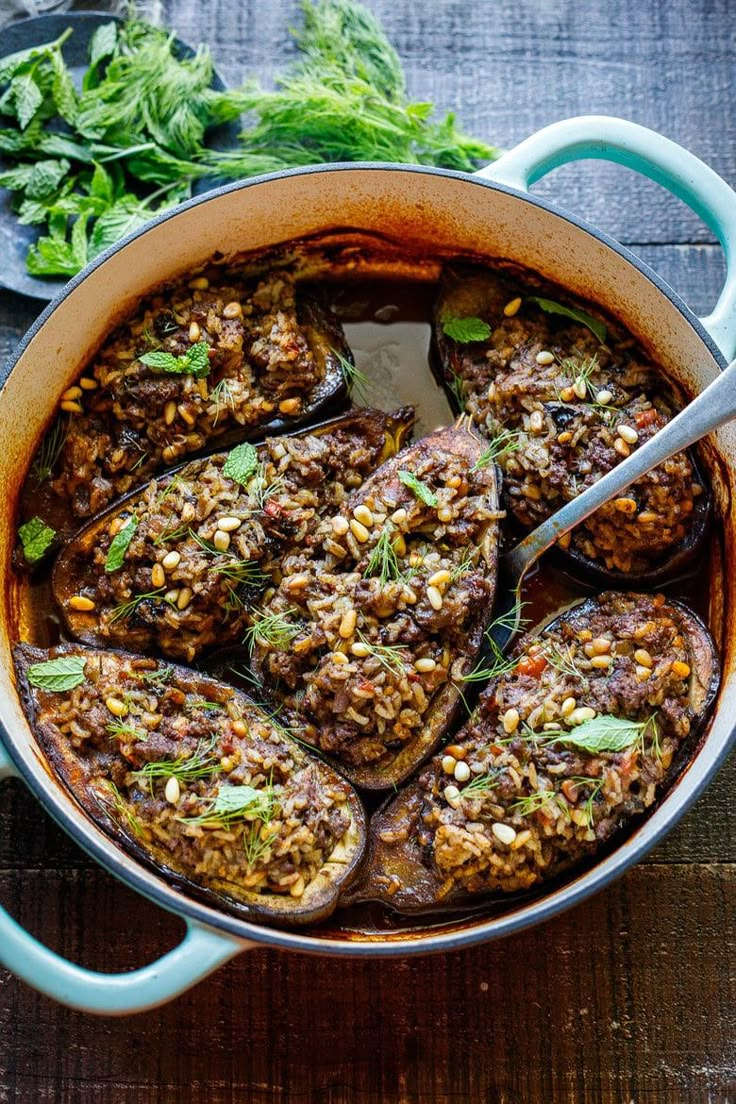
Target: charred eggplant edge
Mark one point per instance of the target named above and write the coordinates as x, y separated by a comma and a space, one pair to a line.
321, 895
571, 559
370, 883
65, 582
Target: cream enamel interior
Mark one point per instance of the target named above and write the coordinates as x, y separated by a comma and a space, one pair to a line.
442, 213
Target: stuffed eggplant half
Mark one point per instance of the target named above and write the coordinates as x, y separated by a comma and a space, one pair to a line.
212, 360
564, 396
369, 634
567, 745
191, 775
178, 565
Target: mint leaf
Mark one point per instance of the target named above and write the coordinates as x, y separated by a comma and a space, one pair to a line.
27, 98
119, 545
598, 329
603, 733
195, 362
57, 675
466, 330
45, 178
421, 490
241, 463
36, 538
125, 216
103, 42
62, 88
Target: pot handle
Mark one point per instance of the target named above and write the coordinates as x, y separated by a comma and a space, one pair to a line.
637, 147
201, 951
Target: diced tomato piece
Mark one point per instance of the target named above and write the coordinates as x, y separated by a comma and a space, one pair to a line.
645, 418
531, 665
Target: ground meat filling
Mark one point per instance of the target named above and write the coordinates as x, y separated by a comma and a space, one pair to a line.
128, 419
535, 795
209, 786
563, 409
205, 546
381, 614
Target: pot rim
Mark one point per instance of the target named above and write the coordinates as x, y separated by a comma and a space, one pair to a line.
696, 776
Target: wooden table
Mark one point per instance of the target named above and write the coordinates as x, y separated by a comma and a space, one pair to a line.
629, 997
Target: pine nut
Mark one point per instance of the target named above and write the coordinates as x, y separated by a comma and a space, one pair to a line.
601, 645
452, 796
82, 604
456, 750
340, 525
340, 658
621, 447
680, 669
462, 772
289, 406
297, 888
425, 665
400, 515
565, 437
510, 721
172, 792
448, 764
568, 706
158, 578
185, 597
170, 561
72, 393
359, 531
171, 596
625, 505
229, 524
221, 540
512, 307
567, 394
628, 433
603, 397
646, 517
169, 412
347, 624
71, 407
363, 514
435, 597
194, 332
200, 283
504, 833
581, 714
440, 578
580, 388
232, 310
643, 673
399, 545
544, 357
360, 649
88, 384
116, 707
536, 421
239, 728
601, 662
444, 514
643, 657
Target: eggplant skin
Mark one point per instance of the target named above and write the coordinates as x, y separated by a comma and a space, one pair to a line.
536, 803
134, 724
388, 610
559, 436
276, 365
176, 516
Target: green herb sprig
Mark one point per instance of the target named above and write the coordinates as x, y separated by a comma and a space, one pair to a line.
194, 362
549, 306
419, 489
57, 675
36, 538
466, 330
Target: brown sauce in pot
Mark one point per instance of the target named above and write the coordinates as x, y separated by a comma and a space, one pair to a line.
388, 327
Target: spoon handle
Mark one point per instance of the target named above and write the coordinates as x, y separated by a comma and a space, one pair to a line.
711, 409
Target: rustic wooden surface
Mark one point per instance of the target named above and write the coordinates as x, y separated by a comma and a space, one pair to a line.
630, 997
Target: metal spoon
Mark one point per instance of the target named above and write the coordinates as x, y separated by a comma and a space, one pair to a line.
713, 407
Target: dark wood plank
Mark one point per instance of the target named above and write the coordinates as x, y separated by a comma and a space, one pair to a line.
624, 998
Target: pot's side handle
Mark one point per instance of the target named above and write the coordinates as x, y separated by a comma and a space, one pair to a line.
201, 951
637, 147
